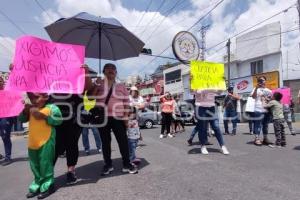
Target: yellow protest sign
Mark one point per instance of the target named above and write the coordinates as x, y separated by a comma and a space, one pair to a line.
207, 75
88, 105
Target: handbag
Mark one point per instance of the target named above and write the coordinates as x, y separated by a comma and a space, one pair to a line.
250, 105
98, 112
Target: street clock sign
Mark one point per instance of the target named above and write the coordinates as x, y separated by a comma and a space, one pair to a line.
185, 47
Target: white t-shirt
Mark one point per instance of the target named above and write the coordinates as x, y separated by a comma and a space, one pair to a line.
133, 131
136, 101
263, 95
205, 98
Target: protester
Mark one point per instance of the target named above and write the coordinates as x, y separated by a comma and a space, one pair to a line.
261, 116
167, 108
86, 120
178, 122
206, 113
278, 119
115, 97
85, 134
230, 112
42, 117
5, 132
134, 135
68, 133
288, 117
135, 99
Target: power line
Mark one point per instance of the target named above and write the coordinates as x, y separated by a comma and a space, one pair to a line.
42, 8
269, 35
158, 9
180, 21
148, 6
164, 18
199, 20
243, 31
12, 22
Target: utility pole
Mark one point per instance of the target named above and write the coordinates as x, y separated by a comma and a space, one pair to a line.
203, 31
228, 62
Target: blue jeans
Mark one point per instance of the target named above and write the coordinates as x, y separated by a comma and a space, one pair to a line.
194, 132
230, 115
261, 122
17, 125
85, 138
132, 144
5, 130
207, 115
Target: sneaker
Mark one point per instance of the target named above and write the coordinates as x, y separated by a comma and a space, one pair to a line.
130, 169
71, 178
226, 133
99, 150
204, 150
87, 152
170, 135
293, 133
46, 194
224, 150
161, 136
251, 133
136, 161
106, 170
32, 194
7, 162
1, 156
190, 142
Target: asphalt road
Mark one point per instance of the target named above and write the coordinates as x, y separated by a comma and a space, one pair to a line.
172, 170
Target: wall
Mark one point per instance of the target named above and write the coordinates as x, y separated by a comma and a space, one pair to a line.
177, 87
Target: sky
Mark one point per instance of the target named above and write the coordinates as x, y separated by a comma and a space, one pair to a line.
155, 23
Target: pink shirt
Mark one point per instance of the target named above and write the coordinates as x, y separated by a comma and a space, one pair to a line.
167, 106
205, 98
118, 99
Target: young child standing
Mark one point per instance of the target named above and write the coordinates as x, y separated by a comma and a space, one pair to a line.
278, 118
42, 116
134, 134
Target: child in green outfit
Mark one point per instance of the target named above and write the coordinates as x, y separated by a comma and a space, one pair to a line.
42, 118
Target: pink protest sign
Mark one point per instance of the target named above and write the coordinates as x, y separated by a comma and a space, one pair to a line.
49, 67
286, 95
10, 103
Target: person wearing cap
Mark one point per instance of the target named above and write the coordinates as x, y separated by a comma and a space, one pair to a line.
230, 111
261, 116
135, 99
115, 98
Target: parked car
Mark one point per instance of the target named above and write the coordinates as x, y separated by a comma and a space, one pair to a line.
148, 118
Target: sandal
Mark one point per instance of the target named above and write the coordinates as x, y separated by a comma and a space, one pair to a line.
257, 142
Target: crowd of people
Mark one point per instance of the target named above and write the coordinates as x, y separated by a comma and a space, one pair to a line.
55, 125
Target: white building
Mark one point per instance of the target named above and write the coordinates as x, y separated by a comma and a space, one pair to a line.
177, 80
257, 52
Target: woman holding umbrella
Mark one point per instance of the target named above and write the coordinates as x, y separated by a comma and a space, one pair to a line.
115, 98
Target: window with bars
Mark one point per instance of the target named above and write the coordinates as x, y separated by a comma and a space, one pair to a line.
257, 67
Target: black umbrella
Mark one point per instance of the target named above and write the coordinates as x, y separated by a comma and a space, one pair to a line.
104, 38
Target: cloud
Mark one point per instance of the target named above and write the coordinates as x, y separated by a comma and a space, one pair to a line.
224, 21
7, 49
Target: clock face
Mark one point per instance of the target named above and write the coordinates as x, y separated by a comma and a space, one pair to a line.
185, 46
